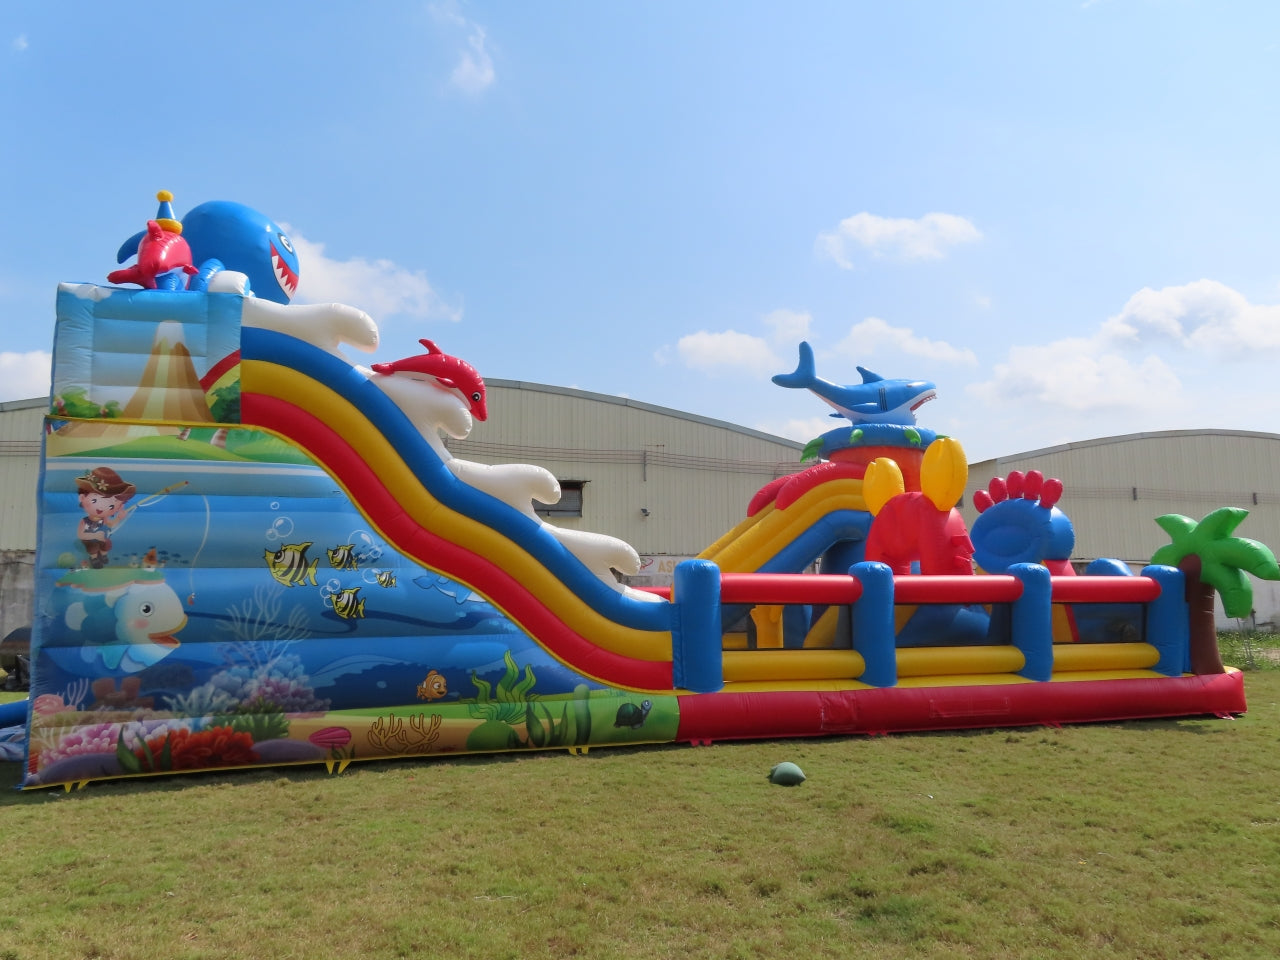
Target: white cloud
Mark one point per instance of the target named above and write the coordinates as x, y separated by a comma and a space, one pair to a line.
731, 350
728, 350
20, 42
24, 375
1205, 315
788, 326
379, 287
874, 334
1147, 363
1078, 375
896, 238
474, 72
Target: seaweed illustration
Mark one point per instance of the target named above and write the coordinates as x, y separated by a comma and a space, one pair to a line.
512, 693
571, 730
261, 636
502, 710
259, 717
388, 733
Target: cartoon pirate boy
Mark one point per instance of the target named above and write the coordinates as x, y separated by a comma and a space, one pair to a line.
102, 497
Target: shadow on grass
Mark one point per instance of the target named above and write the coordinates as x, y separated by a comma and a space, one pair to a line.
12, 794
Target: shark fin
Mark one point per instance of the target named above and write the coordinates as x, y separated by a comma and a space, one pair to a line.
803, 374
130, 247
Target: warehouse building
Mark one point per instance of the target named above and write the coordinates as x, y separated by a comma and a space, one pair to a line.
1115, 487
671, 483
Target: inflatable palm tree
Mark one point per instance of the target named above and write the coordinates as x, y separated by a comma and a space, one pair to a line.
1213, 560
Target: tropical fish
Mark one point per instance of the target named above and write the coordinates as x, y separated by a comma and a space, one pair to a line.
386, 578
346, 605
343, 557
875, 400
289, 564
450, 372
433, 687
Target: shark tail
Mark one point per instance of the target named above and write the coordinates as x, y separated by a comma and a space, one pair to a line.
804, 372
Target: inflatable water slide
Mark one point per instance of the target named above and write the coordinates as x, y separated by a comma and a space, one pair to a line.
254, 551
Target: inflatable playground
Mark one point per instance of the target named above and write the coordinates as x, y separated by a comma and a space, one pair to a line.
254, 551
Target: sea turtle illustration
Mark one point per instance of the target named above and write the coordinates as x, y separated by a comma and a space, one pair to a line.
629, 715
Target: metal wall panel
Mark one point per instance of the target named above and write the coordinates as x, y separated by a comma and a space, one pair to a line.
21, 430
1114, 488
693, 475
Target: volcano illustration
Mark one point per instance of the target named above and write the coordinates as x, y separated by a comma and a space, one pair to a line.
168, 390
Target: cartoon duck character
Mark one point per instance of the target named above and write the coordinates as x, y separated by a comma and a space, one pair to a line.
289, 564
433, 687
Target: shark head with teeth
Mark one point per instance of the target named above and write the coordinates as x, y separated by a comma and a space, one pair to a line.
241, 239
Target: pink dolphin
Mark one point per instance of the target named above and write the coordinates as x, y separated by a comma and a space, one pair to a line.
451, 372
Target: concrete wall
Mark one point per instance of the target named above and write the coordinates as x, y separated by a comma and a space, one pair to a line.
17, 589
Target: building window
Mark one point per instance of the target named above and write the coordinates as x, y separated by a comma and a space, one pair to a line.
570, 504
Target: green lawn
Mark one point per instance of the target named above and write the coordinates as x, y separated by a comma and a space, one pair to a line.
1153, 839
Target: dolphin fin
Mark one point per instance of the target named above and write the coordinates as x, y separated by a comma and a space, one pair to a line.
868, 376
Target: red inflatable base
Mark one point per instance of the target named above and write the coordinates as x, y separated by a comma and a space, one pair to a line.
807, 713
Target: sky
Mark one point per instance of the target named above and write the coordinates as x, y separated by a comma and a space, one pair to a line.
1063, 213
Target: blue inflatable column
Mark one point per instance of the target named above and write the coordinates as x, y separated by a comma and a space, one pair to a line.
873, 626
1032, 620
697, 661
1169, 621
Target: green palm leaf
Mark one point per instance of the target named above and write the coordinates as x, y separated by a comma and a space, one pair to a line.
1221, 523
1245, 554
1232, 586
1224, 559
1176, 526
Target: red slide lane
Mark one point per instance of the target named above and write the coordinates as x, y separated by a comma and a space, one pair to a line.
472, 569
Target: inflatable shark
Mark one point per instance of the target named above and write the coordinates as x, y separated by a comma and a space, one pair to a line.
225, 236
874, 400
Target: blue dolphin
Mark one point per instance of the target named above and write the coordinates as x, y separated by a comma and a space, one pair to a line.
874, 400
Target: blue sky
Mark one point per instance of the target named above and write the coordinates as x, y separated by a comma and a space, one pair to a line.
1062, 213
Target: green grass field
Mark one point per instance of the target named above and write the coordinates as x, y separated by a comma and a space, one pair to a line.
1152, 839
